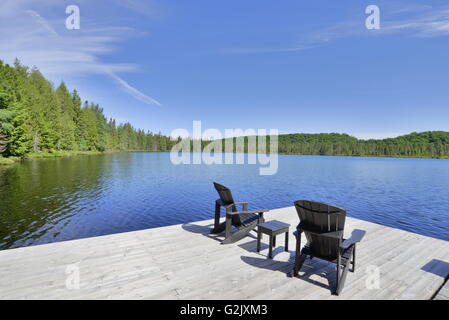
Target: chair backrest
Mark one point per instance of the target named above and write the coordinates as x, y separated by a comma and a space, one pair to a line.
224, 193
316, 218
226, 197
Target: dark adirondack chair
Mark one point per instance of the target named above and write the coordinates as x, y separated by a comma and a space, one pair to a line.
244, 221
323, 226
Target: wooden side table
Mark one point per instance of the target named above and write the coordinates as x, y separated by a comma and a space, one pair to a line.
272, 228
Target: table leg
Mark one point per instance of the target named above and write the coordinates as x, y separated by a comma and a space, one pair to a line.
286, 241
270, 250
259, 238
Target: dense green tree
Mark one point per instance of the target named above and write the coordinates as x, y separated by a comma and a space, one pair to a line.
14, 117
6, 128
36, 117
67, 139
425, 144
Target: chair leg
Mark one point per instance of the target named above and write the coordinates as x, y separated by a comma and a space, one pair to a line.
259, 239
299, 258
337, 284
221, 227
274, 241
228, 226
217, 226
353, 260
341, 278
299, 261
286, 241
260, 219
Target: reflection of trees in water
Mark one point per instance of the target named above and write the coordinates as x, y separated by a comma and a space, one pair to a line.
40, 197
3, 142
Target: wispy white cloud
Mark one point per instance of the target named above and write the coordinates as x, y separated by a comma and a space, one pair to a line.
431, 23
29, 35
42, 22
411, 20
398, 8
133, 91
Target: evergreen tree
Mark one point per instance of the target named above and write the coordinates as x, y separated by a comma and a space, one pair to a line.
14, 119
67, 129
76, 105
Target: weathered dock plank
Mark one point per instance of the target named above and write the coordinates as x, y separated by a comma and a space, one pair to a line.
443, 293
185, 262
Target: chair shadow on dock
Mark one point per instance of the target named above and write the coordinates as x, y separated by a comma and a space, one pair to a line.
311, 268
315, 267
251, 246
205, 231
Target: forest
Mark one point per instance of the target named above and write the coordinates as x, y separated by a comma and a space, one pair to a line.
37, 117
431, 144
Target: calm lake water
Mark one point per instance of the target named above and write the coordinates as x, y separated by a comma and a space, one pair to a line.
59, 199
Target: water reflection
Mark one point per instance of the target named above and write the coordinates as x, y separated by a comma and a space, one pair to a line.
41, 198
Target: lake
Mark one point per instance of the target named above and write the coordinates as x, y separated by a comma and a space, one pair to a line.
48, 200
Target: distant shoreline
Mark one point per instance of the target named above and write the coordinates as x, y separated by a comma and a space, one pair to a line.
61, 154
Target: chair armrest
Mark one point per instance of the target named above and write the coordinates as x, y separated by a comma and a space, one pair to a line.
298, 232
240, 212
234, 203
356, 236
244, 205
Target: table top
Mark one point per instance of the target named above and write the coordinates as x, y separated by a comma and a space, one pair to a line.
274, 225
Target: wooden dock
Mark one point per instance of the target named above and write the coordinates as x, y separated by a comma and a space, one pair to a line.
185, 262
443, 293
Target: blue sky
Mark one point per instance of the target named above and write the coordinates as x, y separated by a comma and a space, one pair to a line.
295, 66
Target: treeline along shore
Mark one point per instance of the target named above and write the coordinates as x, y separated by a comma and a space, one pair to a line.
37, 119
